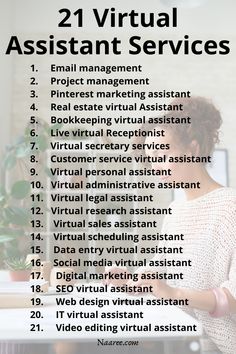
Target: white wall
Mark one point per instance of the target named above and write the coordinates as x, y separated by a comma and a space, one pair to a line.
6, 20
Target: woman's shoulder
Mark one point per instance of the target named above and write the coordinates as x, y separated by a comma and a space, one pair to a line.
220, 202
224, 202
216, 208
222, 195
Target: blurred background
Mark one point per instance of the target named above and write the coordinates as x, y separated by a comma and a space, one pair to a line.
213, 77
210, 76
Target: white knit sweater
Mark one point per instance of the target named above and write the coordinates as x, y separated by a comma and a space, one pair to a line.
209, 227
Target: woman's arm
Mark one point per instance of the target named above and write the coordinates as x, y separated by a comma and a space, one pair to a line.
203, 300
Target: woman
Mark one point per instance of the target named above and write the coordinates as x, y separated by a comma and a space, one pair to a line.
207, 218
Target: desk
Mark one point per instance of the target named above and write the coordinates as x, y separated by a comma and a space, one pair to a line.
15, 324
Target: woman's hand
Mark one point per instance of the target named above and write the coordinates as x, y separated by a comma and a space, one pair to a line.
160, 288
